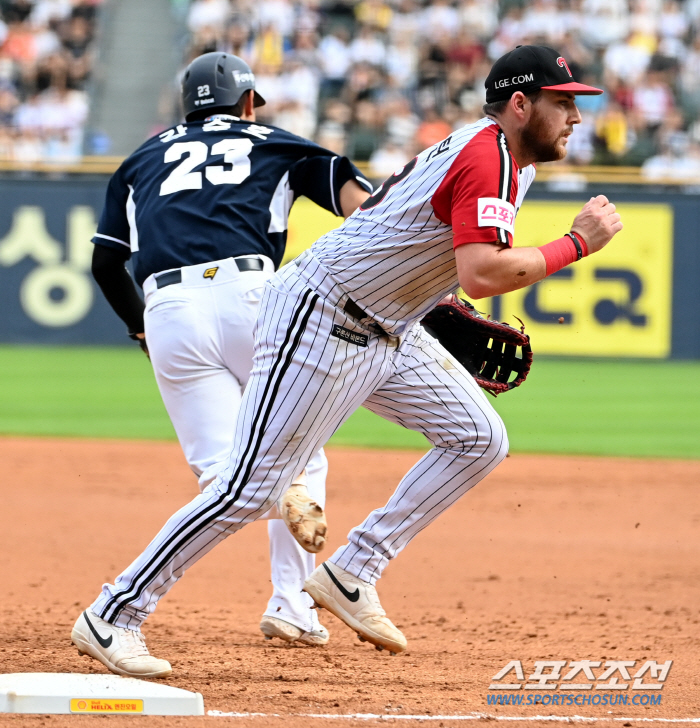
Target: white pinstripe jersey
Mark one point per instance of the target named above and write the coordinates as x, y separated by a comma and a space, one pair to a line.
394, 256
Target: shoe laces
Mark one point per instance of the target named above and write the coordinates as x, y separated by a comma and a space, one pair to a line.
373, 599
134, 643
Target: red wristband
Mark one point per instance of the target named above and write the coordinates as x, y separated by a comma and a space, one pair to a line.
560, 253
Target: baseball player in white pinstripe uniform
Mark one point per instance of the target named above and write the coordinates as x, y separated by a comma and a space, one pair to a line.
339, 328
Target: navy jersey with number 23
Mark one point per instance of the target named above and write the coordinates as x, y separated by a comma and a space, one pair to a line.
213, 189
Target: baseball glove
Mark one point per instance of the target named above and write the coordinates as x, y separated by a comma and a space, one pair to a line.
489, 350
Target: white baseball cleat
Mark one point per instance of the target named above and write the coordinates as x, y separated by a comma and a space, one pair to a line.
273, 627
123, 651
304, 518
355, 602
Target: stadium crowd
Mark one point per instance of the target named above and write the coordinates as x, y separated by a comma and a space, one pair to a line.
381, 80
46, 55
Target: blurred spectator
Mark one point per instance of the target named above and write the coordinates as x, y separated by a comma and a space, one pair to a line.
381, 80
580, 148
405, 23
46, 58
604, 22
613, 133
401, 123
387, 159
653, 100
678, 161
207, 13
439, 19
479, 17
277, 14
368, 47
365, 132
689, 80
334, 53
431, 130
673, 22
332, 132
543, 22
626, 60
373, 13
402, 63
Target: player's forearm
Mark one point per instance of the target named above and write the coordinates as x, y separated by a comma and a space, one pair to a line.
118, 288
352, 195
490, 269
486, 269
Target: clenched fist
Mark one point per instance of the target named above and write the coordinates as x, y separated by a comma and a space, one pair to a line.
597, 223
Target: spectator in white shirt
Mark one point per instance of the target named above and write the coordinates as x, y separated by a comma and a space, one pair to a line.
402, 63
626, 60
335, 56
405, 22
480, 17
278, 13
439, 19
203, 13
542, 19
367, 47
653, 99
672, 21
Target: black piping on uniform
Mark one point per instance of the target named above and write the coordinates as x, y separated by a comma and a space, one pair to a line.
506, 179
214, 510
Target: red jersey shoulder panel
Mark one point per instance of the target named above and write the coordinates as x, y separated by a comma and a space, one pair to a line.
478, 193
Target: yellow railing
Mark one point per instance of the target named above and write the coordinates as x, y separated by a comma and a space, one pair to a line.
606, 175
86, 165
566, 174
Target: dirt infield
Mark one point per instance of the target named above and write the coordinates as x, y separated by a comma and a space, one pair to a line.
550, 558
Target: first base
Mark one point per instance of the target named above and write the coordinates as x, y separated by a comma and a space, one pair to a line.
46, 692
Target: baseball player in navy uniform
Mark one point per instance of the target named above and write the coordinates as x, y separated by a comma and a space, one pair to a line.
339, 328
201, 210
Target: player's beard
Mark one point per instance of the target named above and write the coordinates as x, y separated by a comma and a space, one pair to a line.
541, 141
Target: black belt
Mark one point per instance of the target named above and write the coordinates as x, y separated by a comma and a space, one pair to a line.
352, 309
175, 276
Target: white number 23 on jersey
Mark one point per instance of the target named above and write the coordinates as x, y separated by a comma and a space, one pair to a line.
235, 152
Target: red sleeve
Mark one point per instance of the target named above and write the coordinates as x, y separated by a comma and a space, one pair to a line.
477, 196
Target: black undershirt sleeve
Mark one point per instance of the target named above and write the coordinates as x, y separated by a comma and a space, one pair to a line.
321, 178
118, 286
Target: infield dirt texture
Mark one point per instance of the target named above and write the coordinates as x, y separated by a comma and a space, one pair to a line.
550, 558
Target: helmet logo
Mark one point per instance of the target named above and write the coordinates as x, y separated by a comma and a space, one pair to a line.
563, 64
239, 77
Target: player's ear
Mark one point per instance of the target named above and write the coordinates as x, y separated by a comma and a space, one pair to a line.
249, 108
519, 104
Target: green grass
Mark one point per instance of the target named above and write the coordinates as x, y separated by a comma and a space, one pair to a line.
601, 407
81, 392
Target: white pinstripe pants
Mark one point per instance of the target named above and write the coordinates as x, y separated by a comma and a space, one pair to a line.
305, 383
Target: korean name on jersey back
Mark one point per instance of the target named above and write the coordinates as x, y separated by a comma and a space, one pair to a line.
204, 191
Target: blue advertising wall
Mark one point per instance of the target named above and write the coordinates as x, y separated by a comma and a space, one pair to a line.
47, 294
638, 298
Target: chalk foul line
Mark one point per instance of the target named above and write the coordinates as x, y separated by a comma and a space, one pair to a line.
470, 716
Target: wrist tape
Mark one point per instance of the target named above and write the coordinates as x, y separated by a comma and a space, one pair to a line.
560, 253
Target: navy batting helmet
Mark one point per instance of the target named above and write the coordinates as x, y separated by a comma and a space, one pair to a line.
216, 80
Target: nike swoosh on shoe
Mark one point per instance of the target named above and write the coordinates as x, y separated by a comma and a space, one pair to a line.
103, 642
350, 596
